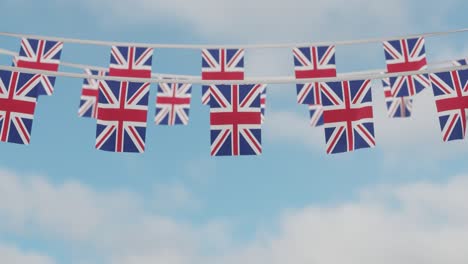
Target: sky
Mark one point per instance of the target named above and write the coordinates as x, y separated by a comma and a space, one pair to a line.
404, 201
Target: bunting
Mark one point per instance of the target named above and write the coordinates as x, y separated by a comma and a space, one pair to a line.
173, 104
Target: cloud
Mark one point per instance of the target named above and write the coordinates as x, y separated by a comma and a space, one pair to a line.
421, 222
9, 254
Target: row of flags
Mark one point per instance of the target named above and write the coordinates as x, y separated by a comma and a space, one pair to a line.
237, 112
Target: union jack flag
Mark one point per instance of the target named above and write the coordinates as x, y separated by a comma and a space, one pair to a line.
221, 64
90, 94
173, 104
347, 115
406, 55
263, 95
235, 120
396, 106
121, 119
132, 62
451, 96
40, 55
313, 62
460, 62
316, 115
18, 95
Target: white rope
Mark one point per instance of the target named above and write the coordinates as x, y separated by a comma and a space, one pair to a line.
196, 79
244, 46
370, 76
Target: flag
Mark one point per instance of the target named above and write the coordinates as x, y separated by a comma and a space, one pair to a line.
460, 62
221, 64
121, 118
38, 54
313, 62
90, 94
347, 115
396, 106
132, 62
316, 115
451, 98
18, 96
173, 104
235, 120
263, 95
406, 55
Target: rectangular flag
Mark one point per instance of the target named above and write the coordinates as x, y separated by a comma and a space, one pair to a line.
396, 106
173, 104
134, 62
90, 94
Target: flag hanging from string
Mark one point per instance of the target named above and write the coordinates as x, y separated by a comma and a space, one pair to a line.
173, 104
90, 94
396, 106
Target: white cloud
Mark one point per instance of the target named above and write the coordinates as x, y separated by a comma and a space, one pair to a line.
12, 255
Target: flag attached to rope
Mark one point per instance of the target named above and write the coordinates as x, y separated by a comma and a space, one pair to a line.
121, 118
451, 98
313, 62
316, 115
40, 55
131, 62
348, 116
18, 96
90, 94
396, 106
221, 64
406, 55
263, 98
460, 62
235, 120
173, 104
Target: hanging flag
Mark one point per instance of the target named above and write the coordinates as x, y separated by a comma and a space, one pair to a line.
40, 54
406, 55
316, 115
460, 62
451, 97
313, 62
235, 120
348, 116
221, 64
132, 62
90, 94
121, 118
396, 106
263, 95
18, 95
173, 104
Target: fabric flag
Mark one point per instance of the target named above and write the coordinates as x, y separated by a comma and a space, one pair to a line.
348, 116
18, 96
134, 62
221, 64
235, 120
263, 97
313, 62
460, 62
121, 118
316, 115
406, 55
173, 104
451, 98
90, 94
40, 54
396, 106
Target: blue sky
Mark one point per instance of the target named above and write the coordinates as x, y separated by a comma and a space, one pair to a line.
62, 201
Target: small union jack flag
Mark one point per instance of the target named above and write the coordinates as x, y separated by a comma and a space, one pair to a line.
90, 94
40, 55
173, 104
221, 64
348, 116
121, 118
235, 120
451, 95
406, 55
313, 62
460, 62
263, 97
316, 115
132, 62
18, 95
396, 106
